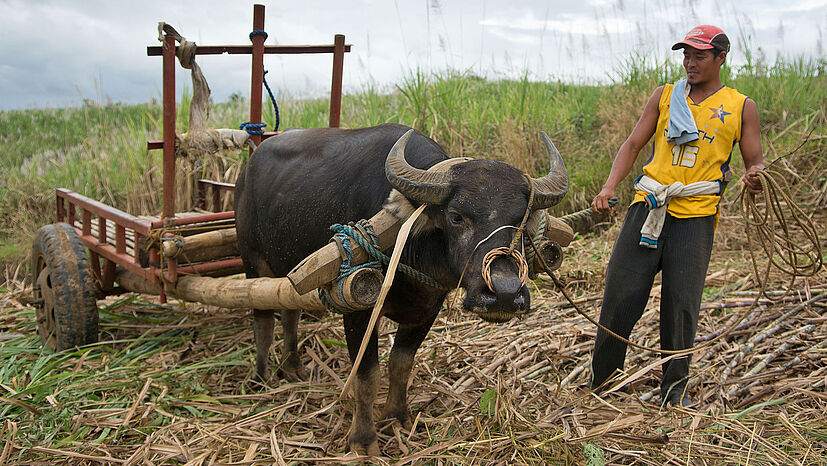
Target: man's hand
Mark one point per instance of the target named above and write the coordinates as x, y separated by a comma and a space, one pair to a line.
600, 203
751, 179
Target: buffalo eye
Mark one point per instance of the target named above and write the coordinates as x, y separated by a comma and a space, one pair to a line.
455, 218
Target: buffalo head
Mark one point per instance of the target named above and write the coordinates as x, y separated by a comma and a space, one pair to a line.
476, 207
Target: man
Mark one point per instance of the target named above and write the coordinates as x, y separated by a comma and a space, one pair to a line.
681, 184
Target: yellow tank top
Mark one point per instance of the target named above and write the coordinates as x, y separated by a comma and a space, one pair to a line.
718, 119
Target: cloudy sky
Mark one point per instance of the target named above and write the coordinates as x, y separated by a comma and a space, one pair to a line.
57, 53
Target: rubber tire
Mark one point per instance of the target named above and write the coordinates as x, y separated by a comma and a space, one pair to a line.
63, 288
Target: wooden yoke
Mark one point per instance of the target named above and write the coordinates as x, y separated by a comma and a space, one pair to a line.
321, 267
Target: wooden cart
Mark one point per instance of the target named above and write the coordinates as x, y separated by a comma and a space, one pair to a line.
95, 250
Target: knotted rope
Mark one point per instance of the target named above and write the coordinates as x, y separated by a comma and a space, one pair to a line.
363, 234
343, 234
199, 140
259, 32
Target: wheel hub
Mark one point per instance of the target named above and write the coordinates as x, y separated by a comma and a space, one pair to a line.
46, 310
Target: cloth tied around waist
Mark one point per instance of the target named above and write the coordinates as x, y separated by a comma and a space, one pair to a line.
657, 199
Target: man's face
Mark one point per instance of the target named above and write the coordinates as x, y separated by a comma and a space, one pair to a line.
702, 65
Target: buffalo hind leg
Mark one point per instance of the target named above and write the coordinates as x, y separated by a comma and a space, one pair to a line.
408, 340
291, 365
263, 333
363, 438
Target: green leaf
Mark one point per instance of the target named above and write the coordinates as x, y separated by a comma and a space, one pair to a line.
593, 455
488, 402
203, 398
334, 343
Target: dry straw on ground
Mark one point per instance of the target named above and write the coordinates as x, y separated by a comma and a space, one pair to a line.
486, 394
479, 393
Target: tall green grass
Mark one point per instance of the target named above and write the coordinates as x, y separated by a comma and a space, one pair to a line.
100, 151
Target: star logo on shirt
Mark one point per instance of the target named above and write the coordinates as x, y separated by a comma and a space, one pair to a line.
719, 113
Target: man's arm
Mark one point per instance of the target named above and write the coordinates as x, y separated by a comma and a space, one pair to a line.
750, 145
628, 152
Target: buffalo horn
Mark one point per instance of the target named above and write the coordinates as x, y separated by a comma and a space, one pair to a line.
422, 186
550, 189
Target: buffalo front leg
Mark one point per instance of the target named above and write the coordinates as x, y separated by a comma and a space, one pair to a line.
408, 340
363, 438
291, 365
263, 321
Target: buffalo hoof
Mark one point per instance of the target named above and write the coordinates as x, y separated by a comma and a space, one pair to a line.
262, 376
364, 447
293, 374
402, 415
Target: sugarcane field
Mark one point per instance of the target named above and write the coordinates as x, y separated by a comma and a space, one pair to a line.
593, 263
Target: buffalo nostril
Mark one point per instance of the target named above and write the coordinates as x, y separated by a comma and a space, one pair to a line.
487, 300
519, 302
506, 285
505, 279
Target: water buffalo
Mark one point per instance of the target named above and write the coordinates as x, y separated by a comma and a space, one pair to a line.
298, 183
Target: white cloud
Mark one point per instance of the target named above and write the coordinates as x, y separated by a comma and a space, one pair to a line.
50, 48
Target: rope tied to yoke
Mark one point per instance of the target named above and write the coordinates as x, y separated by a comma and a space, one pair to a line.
363, 234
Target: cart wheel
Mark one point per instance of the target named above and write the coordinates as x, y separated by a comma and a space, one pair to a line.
63, 288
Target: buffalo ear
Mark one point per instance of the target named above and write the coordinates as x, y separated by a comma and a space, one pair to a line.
402, 208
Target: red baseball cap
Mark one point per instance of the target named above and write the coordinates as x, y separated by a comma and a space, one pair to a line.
704, 37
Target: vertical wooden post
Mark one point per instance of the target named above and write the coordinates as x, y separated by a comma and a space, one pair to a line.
258, 70
169, 128
86, 228
202, 195
61, 209
336, 85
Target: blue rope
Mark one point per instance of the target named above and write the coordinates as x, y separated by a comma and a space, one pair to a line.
247, 125
258, 32
362, 232
363, 229
345, 269
272, 99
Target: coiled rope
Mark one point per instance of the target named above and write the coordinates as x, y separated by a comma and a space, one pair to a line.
511, 251
768, 225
